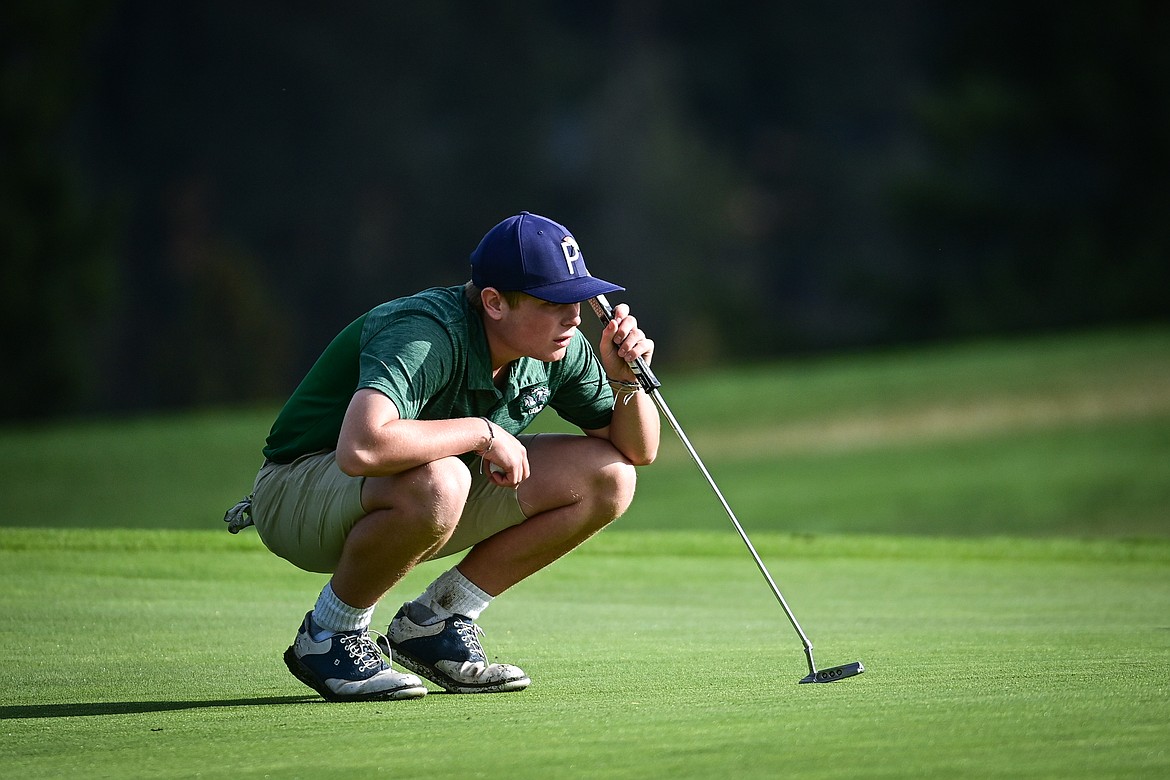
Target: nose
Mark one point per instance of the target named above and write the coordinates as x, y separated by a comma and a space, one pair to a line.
573, 314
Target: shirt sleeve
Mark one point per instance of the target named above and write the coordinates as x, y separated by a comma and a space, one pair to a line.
409, 358
582, 396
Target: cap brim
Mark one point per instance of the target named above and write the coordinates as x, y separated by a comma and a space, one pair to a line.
573, 290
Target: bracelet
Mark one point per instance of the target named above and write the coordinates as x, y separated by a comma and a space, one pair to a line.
623, 391
491, 438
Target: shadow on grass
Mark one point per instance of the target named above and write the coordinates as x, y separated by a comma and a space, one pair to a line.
87, 709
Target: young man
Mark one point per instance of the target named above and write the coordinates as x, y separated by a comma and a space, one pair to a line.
403, 444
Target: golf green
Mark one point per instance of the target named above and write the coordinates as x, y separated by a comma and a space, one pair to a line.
653, 654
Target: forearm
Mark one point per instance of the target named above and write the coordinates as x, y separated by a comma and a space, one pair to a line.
398, 445
636, 428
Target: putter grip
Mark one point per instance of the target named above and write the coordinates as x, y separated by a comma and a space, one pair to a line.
642, 371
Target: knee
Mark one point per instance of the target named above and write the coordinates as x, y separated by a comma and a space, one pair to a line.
614, 487
444, 479
438, 491
430, 497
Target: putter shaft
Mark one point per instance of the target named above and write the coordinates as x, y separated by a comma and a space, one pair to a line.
665, 410
651, 384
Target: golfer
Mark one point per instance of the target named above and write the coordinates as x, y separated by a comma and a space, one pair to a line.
404, 443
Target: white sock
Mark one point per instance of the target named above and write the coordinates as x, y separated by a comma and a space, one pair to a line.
453, 594
332, 615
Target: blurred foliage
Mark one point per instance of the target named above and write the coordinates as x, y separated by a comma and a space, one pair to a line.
57, 272
195, 197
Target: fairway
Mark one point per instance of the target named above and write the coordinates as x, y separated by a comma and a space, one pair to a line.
986, 527
652, 654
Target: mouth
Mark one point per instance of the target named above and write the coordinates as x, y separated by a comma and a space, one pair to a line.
563, 341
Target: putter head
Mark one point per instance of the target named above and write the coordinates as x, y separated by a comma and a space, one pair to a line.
835, 673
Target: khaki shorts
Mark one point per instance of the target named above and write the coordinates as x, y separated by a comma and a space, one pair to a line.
304, 510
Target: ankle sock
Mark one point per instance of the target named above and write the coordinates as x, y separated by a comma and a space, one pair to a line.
331, 615
453, 594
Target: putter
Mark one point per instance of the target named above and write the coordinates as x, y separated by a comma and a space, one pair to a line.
650, 384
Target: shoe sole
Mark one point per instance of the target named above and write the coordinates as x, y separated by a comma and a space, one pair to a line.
445, 682
302, 673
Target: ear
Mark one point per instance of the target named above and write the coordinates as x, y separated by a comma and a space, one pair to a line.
494, 304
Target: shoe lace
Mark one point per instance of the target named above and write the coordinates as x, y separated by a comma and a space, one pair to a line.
469, 633
362, 650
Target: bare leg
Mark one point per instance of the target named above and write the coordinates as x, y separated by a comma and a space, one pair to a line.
579, 484
411, 515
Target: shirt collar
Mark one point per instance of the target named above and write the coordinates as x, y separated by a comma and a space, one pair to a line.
479, 359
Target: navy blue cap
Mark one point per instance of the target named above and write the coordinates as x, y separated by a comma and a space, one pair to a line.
532, 254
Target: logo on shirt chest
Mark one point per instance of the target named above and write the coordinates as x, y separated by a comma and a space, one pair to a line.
533, 399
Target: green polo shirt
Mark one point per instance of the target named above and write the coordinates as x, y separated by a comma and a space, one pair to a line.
428, 353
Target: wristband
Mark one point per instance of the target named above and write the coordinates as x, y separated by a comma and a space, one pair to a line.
623, 391
491, 438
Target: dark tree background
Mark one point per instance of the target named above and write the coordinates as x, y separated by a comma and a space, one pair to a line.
194, 197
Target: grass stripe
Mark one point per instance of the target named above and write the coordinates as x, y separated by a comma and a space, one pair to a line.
689, 544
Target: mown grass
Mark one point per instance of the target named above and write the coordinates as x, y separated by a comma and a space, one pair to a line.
986, 527
654, 654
